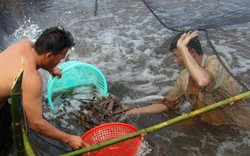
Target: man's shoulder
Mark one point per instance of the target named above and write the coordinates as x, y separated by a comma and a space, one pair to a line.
218, 59
26, 42
32, 71
184, 72
32, 78
215, 57
183, 76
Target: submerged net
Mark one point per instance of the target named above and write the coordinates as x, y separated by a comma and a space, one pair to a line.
82, 110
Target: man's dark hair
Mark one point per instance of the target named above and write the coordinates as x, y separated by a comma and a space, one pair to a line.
194, 43
54, 40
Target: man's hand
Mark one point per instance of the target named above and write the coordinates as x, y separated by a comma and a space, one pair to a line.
76, 142
56, 72
184, 40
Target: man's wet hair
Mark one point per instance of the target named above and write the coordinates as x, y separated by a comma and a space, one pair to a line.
54, 40
194, 43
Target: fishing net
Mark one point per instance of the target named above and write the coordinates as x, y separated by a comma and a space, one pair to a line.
199, 14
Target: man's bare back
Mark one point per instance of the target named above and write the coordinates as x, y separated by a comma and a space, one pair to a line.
11, 64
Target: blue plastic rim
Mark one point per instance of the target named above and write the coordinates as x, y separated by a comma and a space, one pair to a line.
74, 74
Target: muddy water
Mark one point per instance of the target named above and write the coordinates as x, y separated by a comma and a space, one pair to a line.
129, 45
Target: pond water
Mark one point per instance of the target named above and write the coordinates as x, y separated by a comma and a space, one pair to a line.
130, 46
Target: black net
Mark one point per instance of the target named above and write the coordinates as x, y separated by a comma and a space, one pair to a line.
199, 14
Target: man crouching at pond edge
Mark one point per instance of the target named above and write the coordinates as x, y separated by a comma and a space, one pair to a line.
45, 53
202, 82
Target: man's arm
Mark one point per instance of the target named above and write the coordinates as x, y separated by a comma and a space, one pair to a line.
198, 74
153, 108
170, 102
32, 104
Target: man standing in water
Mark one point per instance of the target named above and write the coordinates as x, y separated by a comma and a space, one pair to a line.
45, 53
202, 82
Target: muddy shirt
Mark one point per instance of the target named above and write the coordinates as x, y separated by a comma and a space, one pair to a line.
221, 87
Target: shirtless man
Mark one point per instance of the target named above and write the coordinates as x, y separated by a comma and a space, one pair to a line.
202, 82
45, 53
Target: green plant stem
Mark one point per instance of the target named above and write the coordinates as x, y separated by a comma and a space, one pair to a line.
22, 144
16, 114
28, 148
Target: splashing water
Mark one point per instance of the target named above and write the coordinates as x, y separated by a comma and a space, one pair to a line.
27, 30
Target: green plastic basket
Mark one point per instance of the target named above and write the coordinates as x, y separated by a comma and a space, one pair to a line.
75, 74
